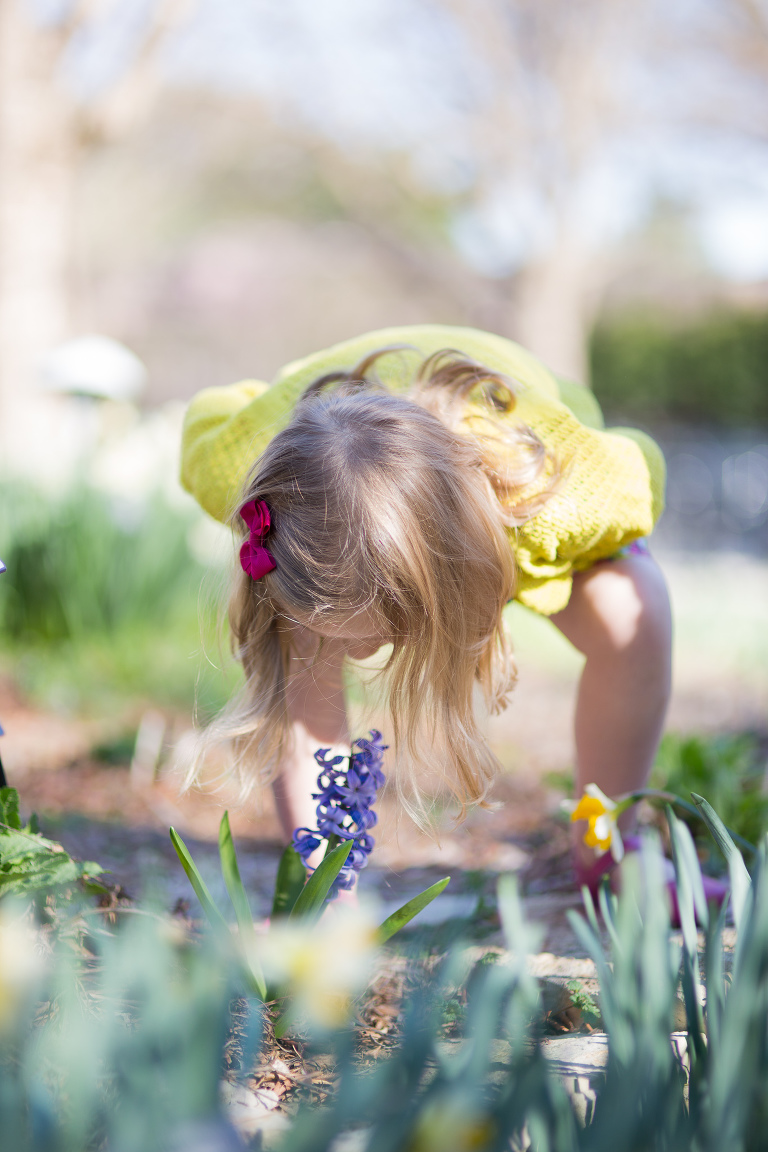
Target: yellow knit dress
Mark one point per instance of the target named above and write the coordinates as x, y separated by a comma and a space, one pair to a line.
612, 491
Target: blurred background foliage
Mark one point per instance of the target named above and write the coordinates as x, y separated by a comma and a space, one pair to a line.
105, 604
710, 370
225, 186
727, 769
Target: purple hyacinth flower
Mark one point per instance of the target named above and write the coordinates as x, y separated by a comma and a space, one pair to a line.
359, 786
370, 755
363, 818
321, 756
345, 800
333, 821
345, 880
305, 841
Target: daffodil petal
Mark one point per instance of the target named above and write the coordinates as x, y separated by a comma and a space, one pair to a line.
587, 808
604, 826
597, 794
617, 845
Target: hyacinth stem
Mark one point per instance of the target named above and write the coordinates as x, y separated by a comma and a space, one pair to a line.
333, 842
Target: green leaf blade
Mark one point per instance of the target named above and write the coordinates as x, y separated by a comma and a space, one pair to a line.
291, 878
215, 918
404, 915
692, 903
239, 898
739, 876
309, 904
9, 808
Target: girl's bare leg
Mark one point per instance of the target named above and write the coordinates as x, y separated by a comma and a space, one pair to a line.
619, 618
317, 710
316, 706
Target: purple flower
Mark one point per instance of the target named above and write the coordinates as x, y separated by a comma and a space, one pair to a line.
305, 840
362, 819
345, 879
359, 786
345, 806
321, 758
370, 756
333, 821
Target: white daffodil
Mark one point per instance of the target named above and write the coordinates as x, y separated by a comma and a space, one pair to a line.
21, 963
321, 966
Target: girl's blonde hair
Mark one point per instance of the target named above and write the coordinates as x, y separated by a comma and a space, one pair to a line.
401, 506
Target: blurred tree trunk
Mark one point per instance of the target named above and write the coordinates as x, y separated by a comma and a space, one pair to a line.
39, 151
553, 72
45, 133
555, 300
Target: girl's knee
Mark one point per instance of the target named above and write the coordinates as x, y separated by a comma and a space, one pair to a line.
621, 606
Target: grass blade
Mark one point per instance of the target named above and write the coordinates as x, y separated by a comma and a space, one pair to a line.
591, 911
239, 898
412, 908
691, 900
215, 917
291, 878
310, 902
283, 1024
607, 904
740, 880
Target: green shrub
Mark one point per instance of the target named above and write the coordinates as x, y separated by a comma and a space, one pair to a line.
31, 865
115, 1045
727, 770
104, 604
76, 567
120, 1046
496, 1090
713, 370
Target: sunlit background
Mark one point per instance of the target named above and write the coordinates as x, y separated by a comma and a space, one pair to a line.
197, 192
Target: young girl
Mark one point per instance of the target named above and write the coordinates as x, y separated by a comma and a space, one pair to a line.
400, 489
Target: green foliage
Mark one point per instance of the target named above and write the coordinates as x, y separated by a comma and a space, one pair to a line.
239, 898
214, 916
584, 1001
726, 769
711, 370
496, 1089
82, 565
131, 1056
302, 899
30, 865
412, 908
311, 900
291, 875
119, 1047
740, 881
102, 601
308, 905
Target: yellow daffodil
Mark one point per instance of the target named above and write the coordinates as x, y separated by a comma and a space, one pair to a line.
452, 1124
601, 814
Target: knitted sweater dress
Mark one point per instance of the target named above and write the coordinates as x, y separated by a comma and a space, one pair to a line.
612, 487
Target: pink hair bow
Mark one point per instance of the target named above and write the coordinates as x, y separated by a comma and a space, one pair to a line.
254, 557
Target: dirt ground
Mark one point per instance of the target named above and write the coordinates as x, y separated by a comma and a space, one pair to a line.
120, 817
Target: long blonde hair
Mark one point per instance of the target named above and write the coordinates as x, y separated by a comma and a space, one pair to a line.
400, 505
